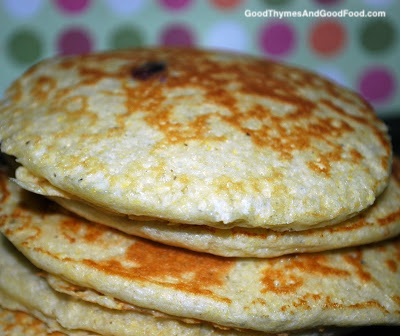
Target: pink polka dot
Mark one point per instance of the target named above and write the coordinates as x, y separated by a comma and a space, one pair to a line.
74, 41
178, 35
226, 4
277, 39
377, 84
72, 6
175, 4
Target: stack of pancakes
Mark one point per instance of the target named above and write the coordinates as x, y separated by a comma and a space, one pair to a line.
187, 192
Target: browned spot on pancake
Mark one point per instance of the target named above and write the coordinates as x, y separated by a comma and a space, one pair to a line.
74, 106
396, 298
385, 142
306, 301
356, 155
315, 297
385, 163
31, 71
70, 227
90, 75
226, 185
73, 229
173, 262
254, 232
24, 221
350, 225
43, 85
80, 292
280, 282
15, 91
360, 305
5, 193
316, 263
392, 265
391, 218
321, 166
76, 109
41, 274
301, 303
259, 301
61, 94
356, 223
367, 304
47, 253
68, 63
20, 323
288, 276
94, 233
20, 319
355, 259
170, 266
369, 119
340, 111
67, 286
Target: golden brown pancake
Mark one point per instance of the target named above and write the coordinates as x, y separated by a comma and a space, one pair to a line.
380, 221
348, 287
18, 323
46, 312
197, 137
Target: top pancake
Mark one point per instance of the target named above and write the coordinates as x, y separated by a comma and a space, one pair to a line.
197, 137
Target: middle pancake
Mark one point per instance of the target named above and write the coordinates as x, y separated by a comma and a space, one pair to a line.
378, 222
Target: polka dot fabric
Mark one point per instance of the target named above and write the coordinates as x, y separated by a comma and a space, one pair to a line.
362, 53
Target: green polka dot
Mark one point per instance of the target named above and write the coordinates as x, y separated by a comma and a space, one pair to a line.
125, 37
24, 46
377, 35
276, 3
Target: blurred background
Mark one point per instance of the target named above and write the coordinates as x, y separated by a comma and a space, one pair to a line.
362, 53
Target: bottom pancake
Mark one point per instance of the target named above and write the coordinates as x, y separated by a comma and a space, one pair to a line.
343, 288
19, 323
24, 290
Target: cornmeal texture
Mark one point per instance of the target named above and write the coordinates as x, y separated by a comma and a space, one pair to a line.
197, 137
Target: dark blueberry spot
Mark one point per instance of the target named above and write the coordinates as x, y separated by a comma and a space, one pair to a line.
148, 70
248, 134
81, 179
27, 143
